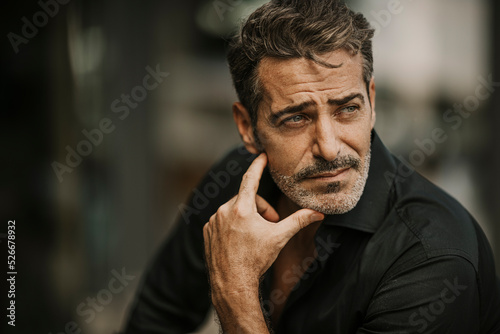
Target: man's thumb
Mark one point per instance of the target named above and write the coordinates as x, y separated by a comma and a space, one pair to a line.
300, 219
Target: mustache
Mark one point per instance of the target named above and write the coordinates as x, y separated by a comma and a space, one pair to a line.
324, 166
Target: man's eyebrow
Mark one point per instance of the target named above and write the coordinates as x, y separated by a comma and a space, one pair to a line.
348, 98
299, 107
289, 110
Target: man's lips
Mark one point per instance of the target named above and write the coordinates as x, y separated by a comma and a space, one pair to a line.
329, 174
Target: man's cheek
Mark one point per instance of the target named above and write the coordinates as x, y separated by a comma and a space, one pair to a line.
274, 165
282, 166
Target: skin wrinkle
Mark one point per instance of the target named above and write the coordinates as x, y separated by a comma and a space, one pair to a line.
276, 31
296, 32
292, 151
311, 98
302, 107
340, 199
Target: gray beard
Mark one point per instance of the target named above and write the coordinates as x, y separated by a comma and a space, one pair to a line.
335, 198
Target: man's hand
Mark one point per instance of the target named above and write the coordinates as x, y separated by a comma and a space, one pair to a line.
242, 240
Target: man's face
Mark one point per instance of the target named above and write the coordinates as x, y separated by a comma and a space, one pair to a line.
315, 123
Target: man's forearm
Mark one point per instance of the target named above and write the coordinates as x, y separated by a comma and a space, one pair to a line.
240, 312
242, 240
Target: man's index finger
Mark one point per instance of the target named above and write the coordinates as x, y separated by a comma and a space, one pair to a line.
250, 182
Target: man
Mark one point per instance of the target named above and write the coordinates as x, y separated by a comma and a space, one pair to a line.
322, 233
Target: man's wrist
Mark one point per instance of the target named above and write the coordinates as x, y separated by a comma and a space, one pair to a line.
230, 293
235, 285
240, 311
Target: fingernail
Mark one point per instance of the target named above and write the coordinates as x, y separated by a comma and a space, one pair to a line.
316, 216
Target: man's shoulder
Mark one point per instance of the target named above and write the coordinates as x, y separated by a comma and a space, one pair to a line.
429, 236
435, 219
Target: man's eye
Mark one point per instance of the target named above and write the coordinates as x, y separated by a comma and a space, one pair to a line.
349, 109
294, 119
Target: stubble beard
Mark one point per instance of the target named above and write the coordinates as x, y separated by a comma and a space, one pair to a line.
334, 198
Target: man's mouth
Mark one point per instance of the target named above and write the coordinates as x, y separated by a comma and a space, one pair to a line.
329, 175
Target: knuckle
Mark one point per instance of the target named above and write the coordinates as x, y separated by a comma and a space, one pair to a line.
220, 212
238, 210
301, 222
245, 176
205, 232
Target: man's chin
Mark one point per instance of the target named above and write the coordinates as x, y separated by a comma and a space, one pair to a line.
328, 188
334, 195
330, 203
330, 198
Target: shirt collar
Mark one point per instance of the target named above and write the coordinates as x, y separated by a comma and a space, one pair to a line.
373, 205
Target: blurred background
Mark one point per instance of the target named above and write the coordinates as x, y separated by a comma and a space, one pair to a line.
78, 70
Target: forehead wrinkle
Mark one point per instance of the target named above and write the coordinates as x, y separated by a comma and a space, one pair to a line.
335, 98
273, 72
300, 73
307, 86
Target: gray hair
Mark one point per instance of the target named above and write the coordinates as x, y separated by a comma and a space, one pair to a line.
295, 29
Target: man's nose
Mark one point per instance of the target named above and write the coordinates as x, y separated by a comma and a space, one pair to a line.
325, 144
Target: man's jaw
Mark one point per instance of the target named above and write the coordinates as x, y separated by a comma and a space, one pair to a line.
324, 187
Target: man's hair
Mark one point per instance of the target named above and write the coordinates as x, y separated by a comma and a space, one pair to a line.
295, 29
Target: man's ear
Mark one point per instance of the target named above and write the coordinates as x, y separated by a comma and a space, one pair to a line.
372, 100
244, 124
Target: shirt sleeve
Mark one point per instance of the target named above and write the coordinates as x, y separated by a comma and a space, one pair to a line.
437, 295
174, 297
174, 294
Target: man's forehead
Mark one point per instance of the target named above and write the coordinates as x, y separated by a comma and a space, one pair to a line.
272, 67
282, 77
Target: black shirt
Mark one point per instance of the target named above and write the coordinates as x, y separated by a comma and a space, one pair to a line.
407, 259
